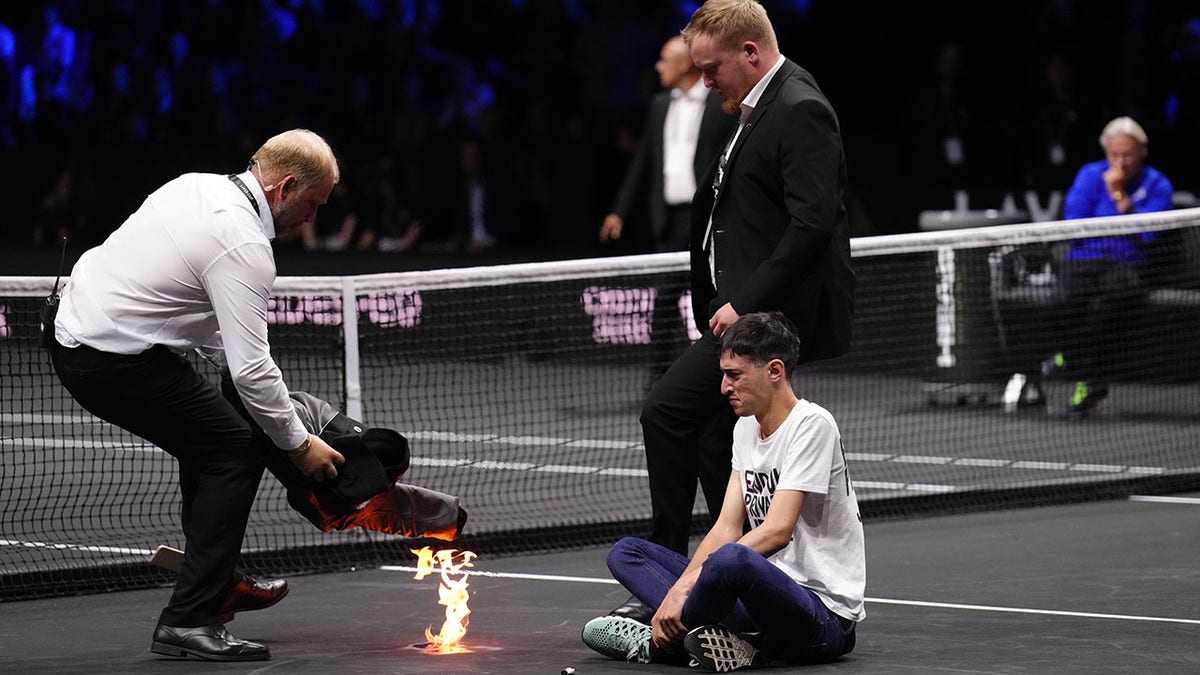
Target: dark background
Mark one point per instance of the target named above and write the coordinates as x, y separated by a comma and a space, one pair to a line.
551, 94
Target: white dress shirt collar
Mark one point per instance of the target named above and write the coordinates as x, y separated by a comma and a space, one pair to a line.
697, 92
751, 101
264, 210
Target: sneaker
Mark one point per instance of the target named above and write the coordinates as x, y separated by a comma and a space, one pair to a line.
722, 650
1054, 364
1086, 396
618, 637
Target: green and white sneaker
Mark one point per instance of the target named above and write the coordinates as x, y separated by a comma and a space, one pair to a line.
618, 637
721, 649
1086, 396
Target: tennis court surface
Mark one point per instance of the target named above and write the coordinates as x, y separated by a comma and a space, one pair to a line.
1101, 587
1000, 531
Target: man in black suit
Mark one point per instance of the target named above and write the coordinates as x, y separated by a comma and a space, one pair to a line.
682, 135
769, 232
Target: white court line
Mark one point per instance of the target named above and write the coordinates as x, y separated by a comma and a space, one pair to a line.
509, 575
536, 440
1029, 610
76, 547
881, 601
1164, 500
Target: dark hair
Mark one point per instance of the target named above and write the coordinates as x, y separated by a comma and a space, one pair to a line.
763, 337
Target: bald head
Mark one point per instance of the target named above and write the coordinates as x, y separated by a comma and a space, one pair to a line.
299, 153
297, 171
675, 67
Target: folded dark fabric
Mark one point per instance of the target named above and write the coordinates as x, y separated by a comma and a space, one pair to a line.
405, 510
367, 492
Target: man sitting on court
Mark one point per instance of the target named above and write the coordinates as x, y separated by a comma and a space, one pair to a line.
789, 590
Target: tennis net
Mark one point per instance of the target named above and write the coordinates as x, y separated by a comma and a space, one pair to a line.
519, 388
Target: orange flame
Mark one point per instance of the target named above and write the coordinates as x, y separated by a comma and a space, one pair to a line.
452, 593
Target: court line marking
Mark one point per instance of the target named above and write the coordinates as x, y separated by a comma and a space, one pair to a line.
1030, 610
518, 441
508, 575
500, 465
881, 601
1164, 500
537, 440
76, 547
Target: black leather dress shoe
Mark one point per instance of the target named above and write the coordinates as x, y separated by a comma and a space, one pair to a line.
213, 643
248, 594
634, 609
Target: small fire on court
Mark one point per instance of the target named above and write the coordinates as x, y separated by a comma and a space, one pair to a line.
452, 593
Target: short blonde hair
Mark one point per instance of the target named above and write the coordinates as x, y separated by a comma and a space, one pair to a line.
732, 22
1124, 126
297, 152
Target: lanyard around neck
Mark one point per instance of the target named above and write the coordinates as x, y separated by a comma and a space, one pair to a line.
246, 191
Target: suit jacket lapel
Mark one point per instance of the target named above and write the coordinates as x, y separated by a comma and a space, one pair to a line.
764, 103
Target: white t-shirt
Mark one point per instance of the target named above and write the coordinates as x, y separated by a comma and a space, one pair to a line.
826, 553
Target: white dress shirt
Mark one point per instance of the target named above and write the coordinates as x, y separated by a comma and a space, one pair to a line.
681, 130
192, 268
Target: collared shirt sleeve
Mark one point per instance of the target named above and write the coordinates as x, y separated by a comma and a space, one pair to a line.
239, 286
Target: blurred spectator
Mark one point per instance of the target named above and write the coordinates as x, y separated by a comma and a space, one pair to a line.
56, 58
335, 225
169, 85
397, 226
8, 87
946, 119
1182, 113
480, 219
1063, 131
61, 216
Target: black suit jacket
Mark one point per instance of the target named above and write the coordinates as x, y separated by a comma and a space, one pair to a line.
644, 177
779, 220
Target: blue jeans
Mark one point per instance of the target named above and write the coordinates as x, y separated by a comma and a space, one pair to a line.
741, 590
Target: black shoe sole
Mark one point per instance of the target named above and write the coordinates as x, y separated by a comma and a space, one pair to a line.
183, 652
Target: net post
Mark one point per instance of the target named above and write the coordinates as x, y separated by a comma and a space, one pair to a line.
353, 382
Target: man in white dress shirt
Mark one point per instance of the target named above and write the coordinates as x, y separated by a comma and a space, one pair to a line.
682, 134
192, 269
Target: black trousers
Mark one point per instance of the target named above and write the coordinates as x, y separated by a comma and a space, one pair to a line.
687, 426
1104, 297
158, 396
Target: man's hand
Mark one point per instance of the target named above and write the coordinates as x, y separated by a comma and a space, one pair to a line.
1114, 179
723, 319
319, 461
611, 229
667, 625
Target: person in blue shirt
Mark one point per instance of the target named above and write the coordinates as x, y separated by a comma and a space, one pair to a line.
1102, 275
